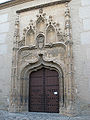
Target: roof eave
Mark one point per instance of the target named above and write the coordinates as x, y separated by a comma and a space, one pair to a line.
12, 3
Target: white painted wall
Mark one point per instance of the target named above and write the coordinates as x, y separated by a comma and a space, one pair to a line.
5, 57
80, 17
84, 14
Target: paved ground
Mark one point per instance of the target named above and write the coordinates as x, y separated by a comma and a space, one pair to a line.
38, 116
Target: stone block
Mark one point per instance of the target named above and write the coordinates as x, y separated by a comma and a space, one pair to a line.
3, 49
4, 27
84, 12
85, 2
86, 24
89, 86
2, 38
88, 54
3, 18
85, 38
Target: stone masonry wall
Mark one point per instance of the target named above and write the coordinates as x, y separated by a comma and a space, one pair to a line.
80, 18
5, 56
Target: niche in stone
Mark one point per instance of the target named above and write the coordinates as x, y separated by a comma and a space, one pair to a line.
30, 37
50, 34
40, 41
40, 24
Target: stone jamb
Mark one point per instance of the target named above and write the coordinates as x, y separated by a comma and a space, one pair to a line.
36, 66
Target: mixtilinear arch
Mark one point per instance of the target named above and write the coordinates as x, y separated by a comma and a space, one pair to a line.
24, 79
28, 57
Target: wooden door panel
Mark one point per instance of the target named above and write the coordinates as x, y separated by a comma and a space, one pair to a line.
50, 72
52, 99
37, 81
44, 91
51, 81
38, 73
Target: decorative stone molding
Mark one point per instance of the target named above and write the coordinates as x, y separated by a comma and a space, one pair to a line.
13, 92
46, 28
43, 5
12, 3
34, 51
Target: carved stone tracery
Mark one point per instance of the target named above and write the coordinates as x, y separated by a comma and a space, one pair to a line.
43, 44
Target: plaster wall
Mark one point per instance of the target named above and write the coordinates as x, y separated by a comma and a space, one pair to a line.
5, 58
80, 18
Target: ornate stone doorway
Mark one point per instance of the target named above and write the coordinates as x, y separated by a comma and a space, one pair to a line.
44, 91
43, 44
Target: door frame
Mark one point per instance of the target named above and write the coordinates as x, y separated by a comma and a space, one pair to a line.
24, 80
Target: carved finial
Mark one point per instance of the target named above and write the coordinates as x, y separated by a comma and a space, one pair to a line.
50, 17
37, 16
25, 30
50, 20
44, 14
58, 27
31, 24
31, 21
67, 12
34, 27
17, 20
47, 24
16, 33
66, 4
67, 23
58, 24
40, 10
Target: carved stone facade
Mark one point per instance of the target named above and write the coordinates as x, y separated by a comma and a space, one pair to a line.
43, 44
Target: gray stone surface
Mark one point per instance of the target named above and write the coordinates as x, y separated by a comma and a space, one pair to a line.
38, 116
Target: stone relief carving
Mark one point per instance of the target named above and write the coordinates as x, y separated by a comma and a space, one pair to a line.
50, 29
30, 37
40, 41
43, 37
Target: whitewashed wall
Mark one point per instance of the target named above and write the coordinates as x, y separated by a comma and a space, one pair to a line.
80, 17
84, 14
5, 57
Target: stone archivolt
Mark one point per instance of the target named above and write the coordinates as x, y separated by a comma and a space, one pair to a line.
43, 44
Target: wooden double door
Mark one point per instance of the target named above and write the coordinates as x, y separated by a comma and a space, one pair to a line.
44, 91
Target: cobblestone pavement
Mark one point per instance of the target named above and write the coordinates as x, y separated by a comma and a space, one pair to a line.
38, 116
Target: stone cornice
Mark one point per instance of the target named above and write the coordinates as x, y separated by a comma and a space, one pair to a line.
43, 5
16, 2
12, 3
